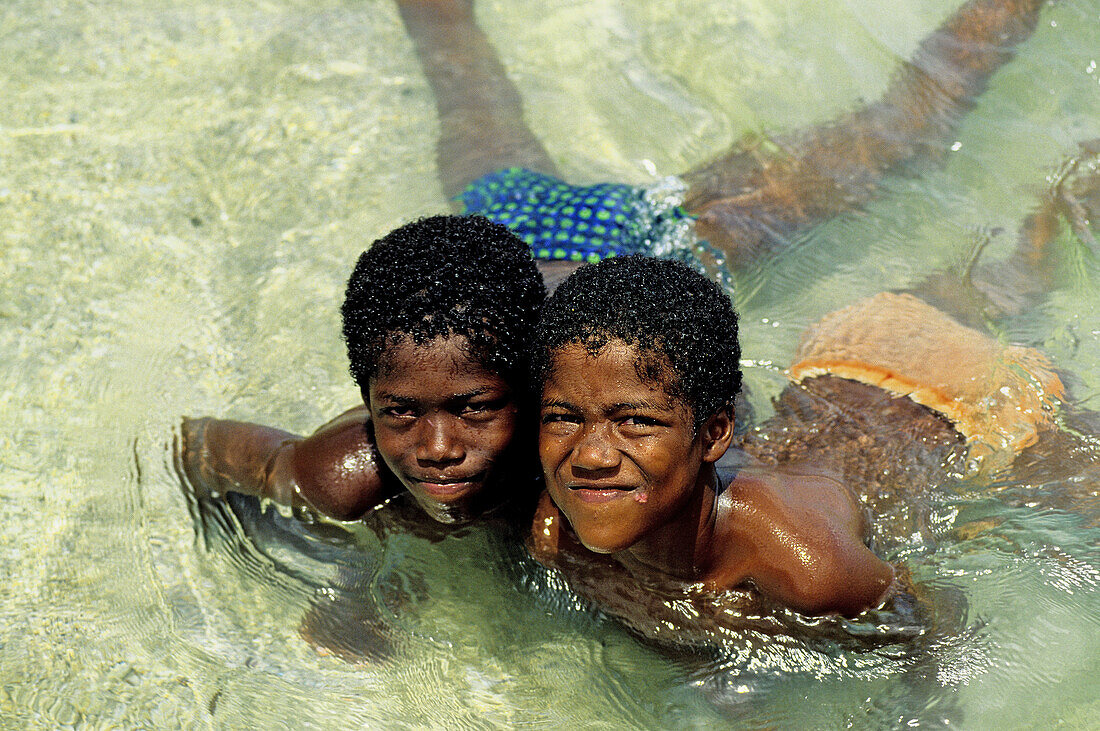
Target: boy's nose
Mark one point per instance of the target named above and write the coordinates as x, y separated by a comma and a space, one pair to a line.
595, 452
438, 443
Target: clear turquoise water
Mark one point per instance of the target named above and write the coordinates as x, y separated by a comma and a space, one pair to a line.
183, 192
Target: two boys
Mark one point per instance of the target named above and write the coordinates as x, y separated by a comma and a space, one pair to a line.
634, 362
443, 388
637, 366
439, 320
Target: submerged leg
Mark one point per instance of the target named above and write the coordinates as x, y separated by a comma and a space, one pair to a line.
986, 292
1073, 200
748, 199
480, 111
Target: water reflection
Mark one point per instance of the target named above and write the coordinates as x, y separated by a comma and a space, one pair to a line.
188, 235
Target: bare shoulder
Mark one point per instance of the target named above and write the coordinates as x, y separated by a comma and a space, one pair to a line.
553, 543
337, 469
793, 497
799, 538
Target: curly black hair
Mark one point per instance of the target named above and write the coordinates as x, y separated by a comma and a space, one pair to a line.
660, 306
440, 276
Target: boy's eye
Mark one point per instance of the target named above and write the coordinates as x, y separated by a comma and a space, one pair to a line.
482, 408
399, 412
551, 417
640, 422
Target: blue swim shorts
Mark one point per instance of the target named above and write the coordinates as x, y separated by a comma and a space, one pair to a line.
560, 221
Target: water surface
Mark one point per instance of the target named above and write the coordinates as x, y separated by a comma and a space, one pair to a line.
183, 194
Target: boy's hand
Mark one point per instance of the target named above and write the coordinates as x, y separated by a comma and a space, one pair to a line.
542, 544
187, 456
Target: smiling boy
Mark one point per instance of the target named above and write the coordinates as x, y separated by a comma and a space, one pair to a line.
638, 365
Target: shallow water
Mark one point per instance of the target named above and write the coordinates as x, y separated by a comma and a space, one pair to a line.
183, 194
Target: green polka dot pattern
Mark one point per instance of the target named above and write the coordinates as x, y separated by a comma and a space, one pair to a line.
574, 223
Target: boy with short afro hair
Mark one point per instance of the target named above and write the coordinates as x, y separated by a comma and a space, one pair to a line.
438, 318
440, 276
637, 361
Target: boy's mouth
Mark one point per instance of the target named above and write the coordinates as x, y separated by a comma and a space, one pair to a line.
598, 493
447, 487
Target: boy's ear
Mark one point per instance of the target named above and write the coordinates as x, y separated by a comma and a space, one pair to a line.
717, 433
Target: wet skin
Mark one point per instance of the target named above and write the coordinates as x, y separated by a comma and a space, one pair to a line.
622, 459
443, 424
757, 196
634, 479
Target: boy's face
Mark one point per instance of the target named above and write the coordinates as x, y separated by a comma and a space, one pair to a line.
621, 457
443, 424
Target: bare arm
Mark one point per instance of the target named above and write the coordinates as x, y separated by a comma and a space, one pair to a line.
833, 574
798, 538
749, 200
334, 471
